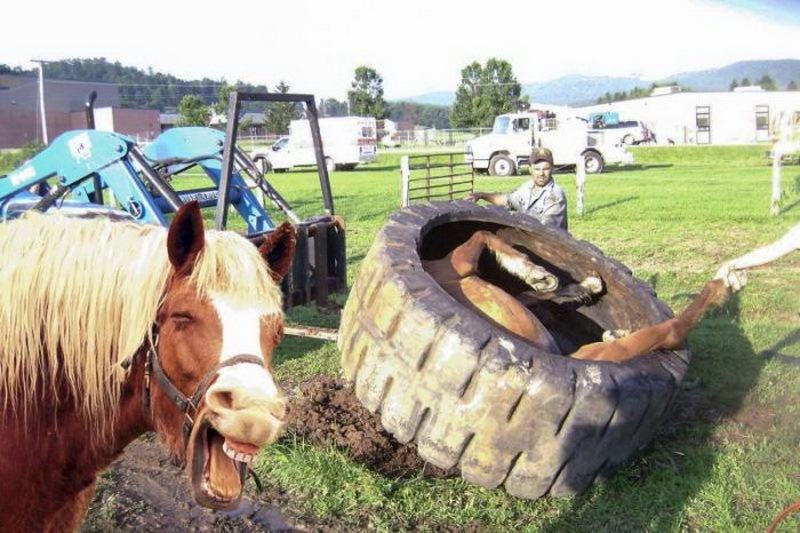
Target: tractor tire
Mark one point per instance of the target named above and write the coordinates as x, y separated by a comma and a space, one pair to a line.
472, 395
502, 166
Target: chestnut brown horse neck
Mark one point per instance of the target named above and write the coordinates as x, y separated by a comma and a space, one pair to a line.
82, 298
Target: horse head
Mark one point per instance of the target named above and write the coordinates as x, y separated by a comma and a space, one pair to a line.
212, 394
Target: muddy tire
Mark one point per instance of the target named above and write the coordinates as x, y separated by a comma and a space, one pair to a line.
473, 395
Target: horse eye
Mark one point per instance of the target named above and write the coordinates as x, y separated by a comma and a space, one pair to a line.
182, 318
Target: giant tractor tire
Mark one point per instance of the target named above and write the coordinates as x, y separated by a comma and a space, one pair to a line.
473, 395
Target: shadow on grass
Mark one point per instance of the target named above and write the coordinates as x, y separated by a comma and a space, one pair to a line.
773, 353
651, 490
636, 167
611, 204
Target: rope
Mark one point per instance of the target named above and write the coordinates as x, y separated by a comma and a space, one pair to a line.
786, 512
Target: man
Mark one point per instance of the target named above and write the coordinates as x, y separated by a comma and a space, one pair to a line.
539, 197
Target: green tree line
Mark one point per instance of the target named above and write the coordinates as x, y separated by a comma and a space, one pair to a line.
138, 89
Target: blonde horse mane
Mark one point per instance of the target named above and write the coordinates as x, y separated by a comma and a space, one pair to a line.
80, 297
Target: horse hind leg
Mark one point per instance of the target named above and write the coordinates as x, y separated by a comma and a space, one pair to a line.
580, 293
520, 266
464, 260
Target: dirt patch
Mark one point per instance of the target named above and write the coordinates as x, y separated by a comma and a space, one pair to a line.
143, 491
329, 412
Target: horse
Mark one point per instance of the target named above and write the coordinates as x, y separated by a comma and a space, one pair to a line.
458, 274
113, 329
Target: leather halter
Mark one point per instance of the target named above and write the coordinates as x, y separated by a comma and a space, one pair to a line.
189, 405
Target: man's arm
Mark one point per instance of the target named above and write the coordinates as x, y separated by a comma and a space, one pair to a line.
760, 256
491, 197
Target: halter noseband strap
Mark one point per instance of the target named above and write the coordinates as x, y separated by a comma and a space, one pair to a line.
188, 405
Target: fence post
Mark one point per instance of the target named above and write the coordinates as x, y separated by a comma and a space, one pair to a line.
580, 182
777, 156
405, 174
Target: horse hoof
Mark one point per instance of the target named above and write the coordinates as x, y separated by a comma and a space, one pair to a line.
593, 284
613, 334
542, 283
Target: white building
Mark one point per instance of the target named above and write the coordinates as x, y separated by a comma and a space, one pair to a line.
746, 115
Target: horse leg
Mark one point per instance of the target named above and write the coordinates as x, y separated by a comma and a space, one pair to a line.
581, 293
71, 514
504, 310
465, 260
668, 335
639, 342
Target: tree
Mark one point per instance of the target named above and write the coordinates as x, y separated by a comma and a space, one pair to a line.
792, 86
767, 83
221, 106
331, 107
734, 85
366, 96
485, 92
745, 82
279, 114
193, 112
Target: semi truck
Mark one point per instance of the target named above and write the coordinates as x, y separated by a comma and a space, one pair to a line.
505, 150
346, 143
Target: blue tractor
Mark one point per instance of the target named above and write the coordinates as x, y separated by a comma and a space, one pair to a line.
81, 169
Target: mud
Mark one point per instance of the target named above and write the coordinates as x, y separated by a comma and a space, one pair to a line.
143, 491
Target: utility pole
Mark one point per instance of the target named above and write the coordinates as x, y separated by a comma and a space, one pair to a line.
40, 63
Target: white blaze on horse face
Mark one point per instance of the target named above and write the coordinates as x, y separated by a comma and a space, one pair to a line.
241, 334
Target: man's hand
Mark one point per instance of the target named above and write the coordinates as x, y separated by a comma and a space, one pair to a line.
473, 197
732, 278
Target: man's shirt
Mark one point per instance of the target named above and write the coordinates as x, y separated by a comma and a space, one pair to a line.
547, 204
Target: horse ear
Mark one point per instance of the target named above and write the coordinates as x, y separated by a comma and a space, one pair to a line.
186, 237
278, 250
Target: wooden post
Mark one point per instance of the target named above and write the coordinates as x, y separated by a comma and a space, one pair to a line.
405, 175
777, 156
580, 182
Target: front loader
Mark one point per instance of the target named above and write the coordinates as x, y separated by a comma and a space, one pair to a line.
81, 170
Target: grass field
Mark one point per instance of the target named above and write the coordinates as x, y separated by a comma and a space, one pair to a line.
727, 458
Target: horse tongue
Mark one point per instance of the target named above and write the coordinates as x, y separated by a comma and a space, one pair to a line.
223, 474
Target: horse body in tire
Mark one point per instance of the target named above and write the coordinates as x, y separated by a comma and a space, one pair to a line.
458, 274
470, 393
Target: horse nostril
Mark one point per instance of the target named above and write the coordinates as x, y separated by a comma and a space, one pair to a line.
280, 409
222, 399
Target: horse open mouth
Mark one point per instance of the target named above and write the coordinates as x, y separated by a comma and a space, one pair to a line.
218, 467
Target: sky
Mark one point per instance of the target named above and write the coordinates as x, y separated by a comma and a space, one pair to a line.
416, 46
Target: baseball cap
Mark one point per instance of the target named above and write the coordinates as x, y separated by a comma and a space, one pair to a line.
541, 154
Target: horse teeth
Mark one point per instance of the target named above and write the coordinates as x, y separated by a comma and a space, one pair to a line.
236, 456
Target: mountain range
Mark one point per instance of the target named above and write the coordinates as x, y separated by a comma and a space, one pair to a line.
575, 90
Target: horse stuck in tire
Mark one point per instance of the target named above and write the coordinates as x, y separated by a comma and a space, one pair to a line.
458, 274
112, 329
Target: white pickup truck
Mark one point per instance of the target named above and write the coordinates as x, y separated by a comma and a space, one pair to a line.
508, 147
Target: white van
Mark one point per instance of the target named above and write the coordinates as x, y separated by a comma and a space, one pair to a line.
346, 143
